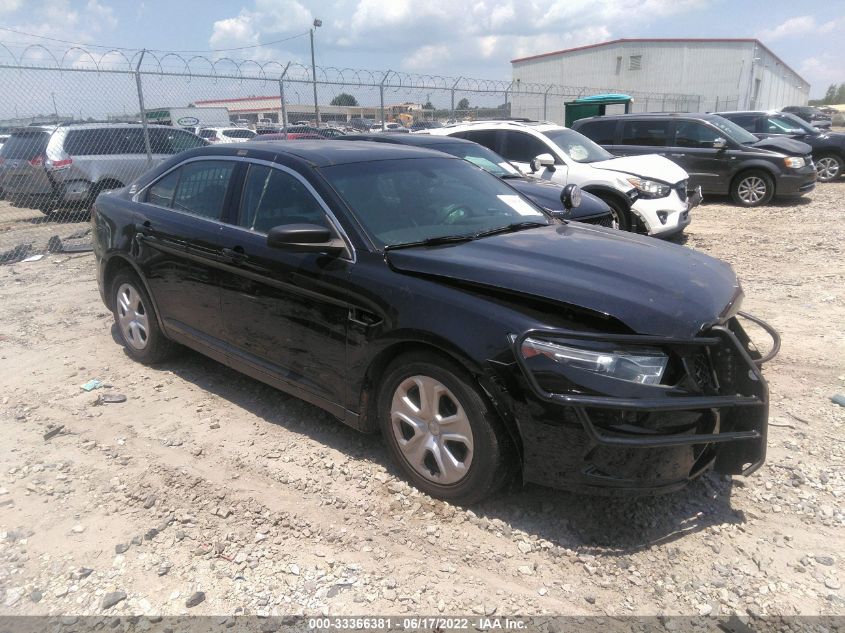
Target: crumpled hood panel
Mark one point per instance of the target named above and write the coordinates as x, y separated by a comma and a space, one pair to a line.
646, 166
651, 286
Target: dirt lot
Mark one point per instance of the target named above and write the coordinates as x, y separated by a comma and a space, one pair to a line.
207, 481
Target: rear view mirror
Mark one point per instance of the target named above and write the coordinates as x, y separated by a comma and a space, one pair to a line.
304, 238
720, 143
543, 160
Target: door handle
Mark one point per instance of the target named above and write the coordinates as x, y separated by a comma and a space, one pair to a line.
236, 254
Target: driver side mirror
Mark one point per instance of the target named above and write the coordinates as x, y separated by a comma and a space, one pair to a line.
543, 160
304, 238
720, 143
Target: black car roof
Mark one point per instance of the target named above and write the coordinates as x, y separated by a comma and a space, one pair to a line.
417, 140
705, 116
324, 153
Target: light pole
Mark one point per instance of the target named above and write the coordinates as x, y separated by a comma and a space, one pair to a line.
317, 23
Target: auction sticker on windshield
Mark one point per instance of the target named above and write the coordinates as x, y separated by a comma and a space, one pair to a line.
518, 204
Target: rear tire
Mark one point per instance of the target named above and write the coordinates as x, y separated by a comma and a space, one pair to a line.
752, 188
440, 430
136, 320
829, 167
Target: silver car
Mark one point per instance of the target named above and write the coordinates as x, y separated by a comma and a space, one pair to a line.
67, 166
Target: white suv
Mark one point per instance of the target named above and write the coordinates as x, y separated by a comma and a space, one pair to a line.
651, 189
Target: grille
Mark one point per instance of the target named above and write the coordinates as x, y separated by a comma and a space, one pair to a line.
702, 373
605, 220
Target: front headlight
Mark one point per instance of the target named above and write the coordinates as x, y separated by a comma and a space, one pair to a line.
650, 188
644, 365
794, 162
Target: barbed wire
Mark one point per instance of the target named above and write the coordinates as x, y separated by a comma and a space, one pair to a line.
174, 63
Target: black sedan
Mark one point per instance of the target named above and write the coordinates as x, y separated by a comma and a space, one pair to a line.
407, 291
551, 196
828, 147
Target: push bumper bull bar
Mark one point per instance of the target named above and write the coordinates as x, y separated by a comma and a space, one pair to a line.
581, 402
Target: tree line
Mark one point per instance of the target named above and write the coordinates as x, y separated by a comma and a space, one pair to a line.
835, 95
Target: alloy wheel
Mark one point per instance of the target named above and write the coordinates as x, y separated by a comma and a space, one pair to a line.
752, 189
432, 430
132, 317
827, 168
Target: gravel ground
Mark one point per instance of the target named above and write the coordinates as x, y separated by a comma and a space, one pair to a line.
206, 492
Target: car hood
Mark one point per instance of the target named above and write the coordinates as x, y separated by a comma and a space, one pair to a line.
788, 146
646, 166
651, 286
547, 195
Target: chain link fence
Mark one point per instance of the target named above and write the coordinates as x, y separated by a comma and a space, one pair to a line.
77, 122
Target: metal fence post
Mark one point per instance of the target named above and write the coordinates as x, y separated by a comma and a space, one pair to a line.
507, 110
381, 96
452, 110
282, 97
143, 111
545, 100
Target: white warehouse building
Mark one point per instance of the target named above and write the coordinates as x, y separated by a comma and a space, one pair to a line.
662, 75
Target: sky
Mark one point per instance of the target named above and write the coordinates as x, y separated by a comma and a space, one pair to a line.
473, 38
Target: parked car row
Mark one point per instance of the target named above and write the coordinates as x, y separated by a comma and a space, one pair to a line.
405, 290
67, 166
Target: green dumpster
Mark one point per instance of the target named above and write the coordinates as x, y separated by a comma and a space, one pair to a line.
594, 105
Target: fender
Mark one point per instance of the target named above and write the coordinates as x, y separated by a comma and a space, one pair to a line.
120, 259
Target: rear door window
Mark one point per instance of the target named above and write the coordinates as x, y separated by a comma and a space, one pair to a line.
602, 131
202, 188
25, 146
652, 133
199, 188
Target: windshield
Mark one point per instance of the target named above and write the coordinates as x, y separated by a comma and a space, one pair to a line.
790, 124
733, 131
415, 199
25, 145
479, 155
577, 146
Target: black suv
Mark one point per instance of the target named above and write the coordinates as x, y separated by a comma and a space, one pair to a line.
828, 147
719, 155
811, 115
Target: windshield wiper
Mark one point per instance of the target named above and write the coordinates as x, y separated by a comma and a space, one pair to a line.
511, 228
431, 241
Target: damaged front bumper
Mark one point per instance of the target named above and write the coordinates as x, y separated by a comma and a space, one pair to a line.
583, 433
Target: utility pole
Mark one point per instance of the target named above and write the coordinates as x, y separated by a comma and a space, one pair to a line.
317, 23
55, 109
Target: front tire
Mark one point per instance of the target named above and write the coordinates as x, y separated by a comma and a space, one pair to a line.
622, 216
829, 167
136, 321
440, 430
752, 188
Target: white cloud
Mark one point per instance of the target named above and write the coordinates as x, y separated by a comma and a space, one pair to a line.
792, 27
440, 36
10, 6
821, 71
426, 58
